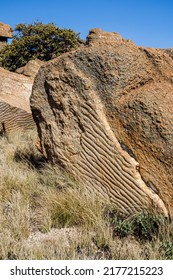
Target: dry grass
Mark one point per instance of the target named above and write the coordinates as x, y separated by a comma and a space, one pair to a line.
45, 214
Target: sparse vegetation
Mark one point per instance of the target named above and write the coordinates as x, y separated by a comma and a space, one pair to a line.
46, 214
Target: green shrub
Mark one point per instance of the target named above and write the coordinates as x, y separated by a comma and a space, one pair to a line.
122, 227
37, 40
145, 225
167, 249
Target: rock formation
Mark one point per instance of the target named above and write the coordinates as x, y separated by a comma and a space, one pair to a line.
169, 52
15, 91
13, 119
104, 112
31, 68
5, 33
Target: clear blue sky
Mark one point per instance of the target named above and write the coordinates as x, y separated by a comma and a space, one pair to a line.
146, 22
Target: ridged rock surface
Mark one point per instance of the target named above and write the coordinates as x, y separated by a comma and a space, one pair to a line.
15, 89
15, 111
104, 112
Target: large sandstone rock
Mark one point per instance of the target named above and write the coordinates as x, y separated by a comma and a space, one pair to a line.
104, 112
31, 68
15, 112
5, 30
15, 89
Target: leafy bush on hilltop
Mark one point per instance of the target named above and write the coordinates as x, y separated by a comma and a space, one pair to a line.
37, 40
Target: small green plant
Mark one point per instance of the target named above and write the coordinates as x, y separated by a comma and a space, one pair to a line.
167, 248
144, 225
122, 227
147, 224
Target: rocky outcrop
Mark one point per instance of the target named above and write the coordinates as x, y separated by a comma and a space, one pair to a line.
104, 112
15, 112
31, 68
13, 119
5, 30
169, 52
5, 33
15, 89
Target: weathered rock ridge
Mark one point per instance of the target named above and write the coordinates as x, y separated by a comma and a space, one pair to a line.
104, 112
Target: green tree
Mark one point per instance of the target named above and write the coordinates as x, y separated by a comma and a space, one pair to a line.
37, 40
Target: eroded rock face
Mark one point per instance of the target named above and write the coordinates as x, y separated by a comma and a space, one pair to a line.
31, 68
15, 112
104, 112
15, 89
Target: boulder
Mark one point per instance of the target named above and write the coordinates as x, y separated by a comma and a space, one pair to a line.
15, 112
104, 113
15, 89
5, 30
5, 33
31, 68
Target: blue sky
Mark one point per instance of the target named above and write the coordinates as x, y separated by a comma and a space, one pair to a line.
147, 22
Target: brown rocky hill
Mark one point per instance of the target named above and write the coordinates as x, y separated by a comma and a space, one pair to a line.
104, 112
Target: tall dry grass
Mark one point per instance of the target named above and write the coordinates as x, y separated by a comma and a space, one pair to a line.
46, 214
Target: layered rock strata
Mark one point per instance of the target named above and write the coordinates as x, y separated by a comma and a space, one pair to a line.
15, 89
15, 112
